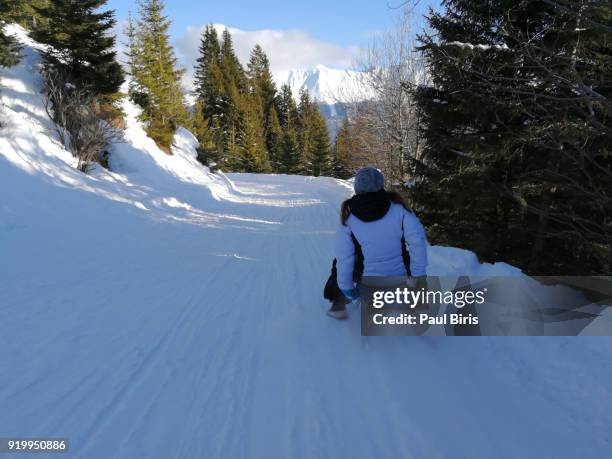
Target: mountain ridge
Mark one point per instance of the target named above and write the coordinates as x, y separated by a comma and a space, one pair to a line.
327, 85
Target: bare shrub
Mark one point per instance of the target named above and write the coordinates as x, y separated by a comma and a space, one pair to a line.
74, 112
386, 127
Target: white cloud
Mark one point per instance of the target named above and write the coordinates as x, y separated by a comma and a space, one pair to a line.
286, 49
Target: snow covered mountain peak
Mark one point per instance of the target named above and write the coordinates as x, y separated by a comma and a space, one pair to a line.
325, 84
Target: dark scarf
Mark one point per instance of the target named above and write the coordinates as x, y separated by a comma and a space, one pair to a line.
369, 207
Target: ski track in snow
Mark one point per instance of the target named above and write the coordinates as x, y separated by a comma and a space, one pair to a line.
162, 311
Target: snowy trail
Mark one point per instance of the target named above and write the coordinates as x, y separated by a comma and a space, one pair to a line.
161, 311
207, 343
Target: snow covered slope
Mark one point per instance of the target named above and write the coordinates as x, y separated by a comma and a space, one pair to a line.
163, 311
326, 85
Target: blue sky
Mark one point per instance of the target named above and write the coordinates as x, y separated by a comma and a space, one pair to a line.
342, 22
294, 34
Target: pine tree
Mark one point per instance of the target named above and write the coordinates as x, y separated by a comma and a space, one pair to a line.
210, 94
231, 67
321, 158
232, 124
274, 140
9, 50
313, 138
260, 78
250, 154
305, 131
209, 55
208, 151
516, 125
263, 89
289, 160
286, 107
133, 53
157, 76
342, 151
80, 44
231, 105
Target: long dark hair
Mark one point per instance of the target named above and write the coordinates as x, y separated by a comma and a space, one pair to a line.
345, 211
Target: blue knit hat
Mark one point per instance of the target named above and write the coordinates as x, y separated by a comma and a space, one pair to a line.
368, 180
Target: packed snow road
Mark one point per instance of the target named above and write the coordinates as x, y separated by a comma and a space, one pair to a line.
156, 339
161, 311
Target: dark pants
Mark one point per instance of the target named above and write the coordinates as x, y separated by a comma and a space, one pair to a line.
331, 291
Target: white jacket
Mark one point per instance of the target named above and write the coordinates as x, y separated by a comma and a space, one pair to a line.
380, 242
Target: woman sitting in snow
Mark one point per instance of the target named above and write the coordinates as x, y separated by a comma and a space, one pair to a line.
376, 225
